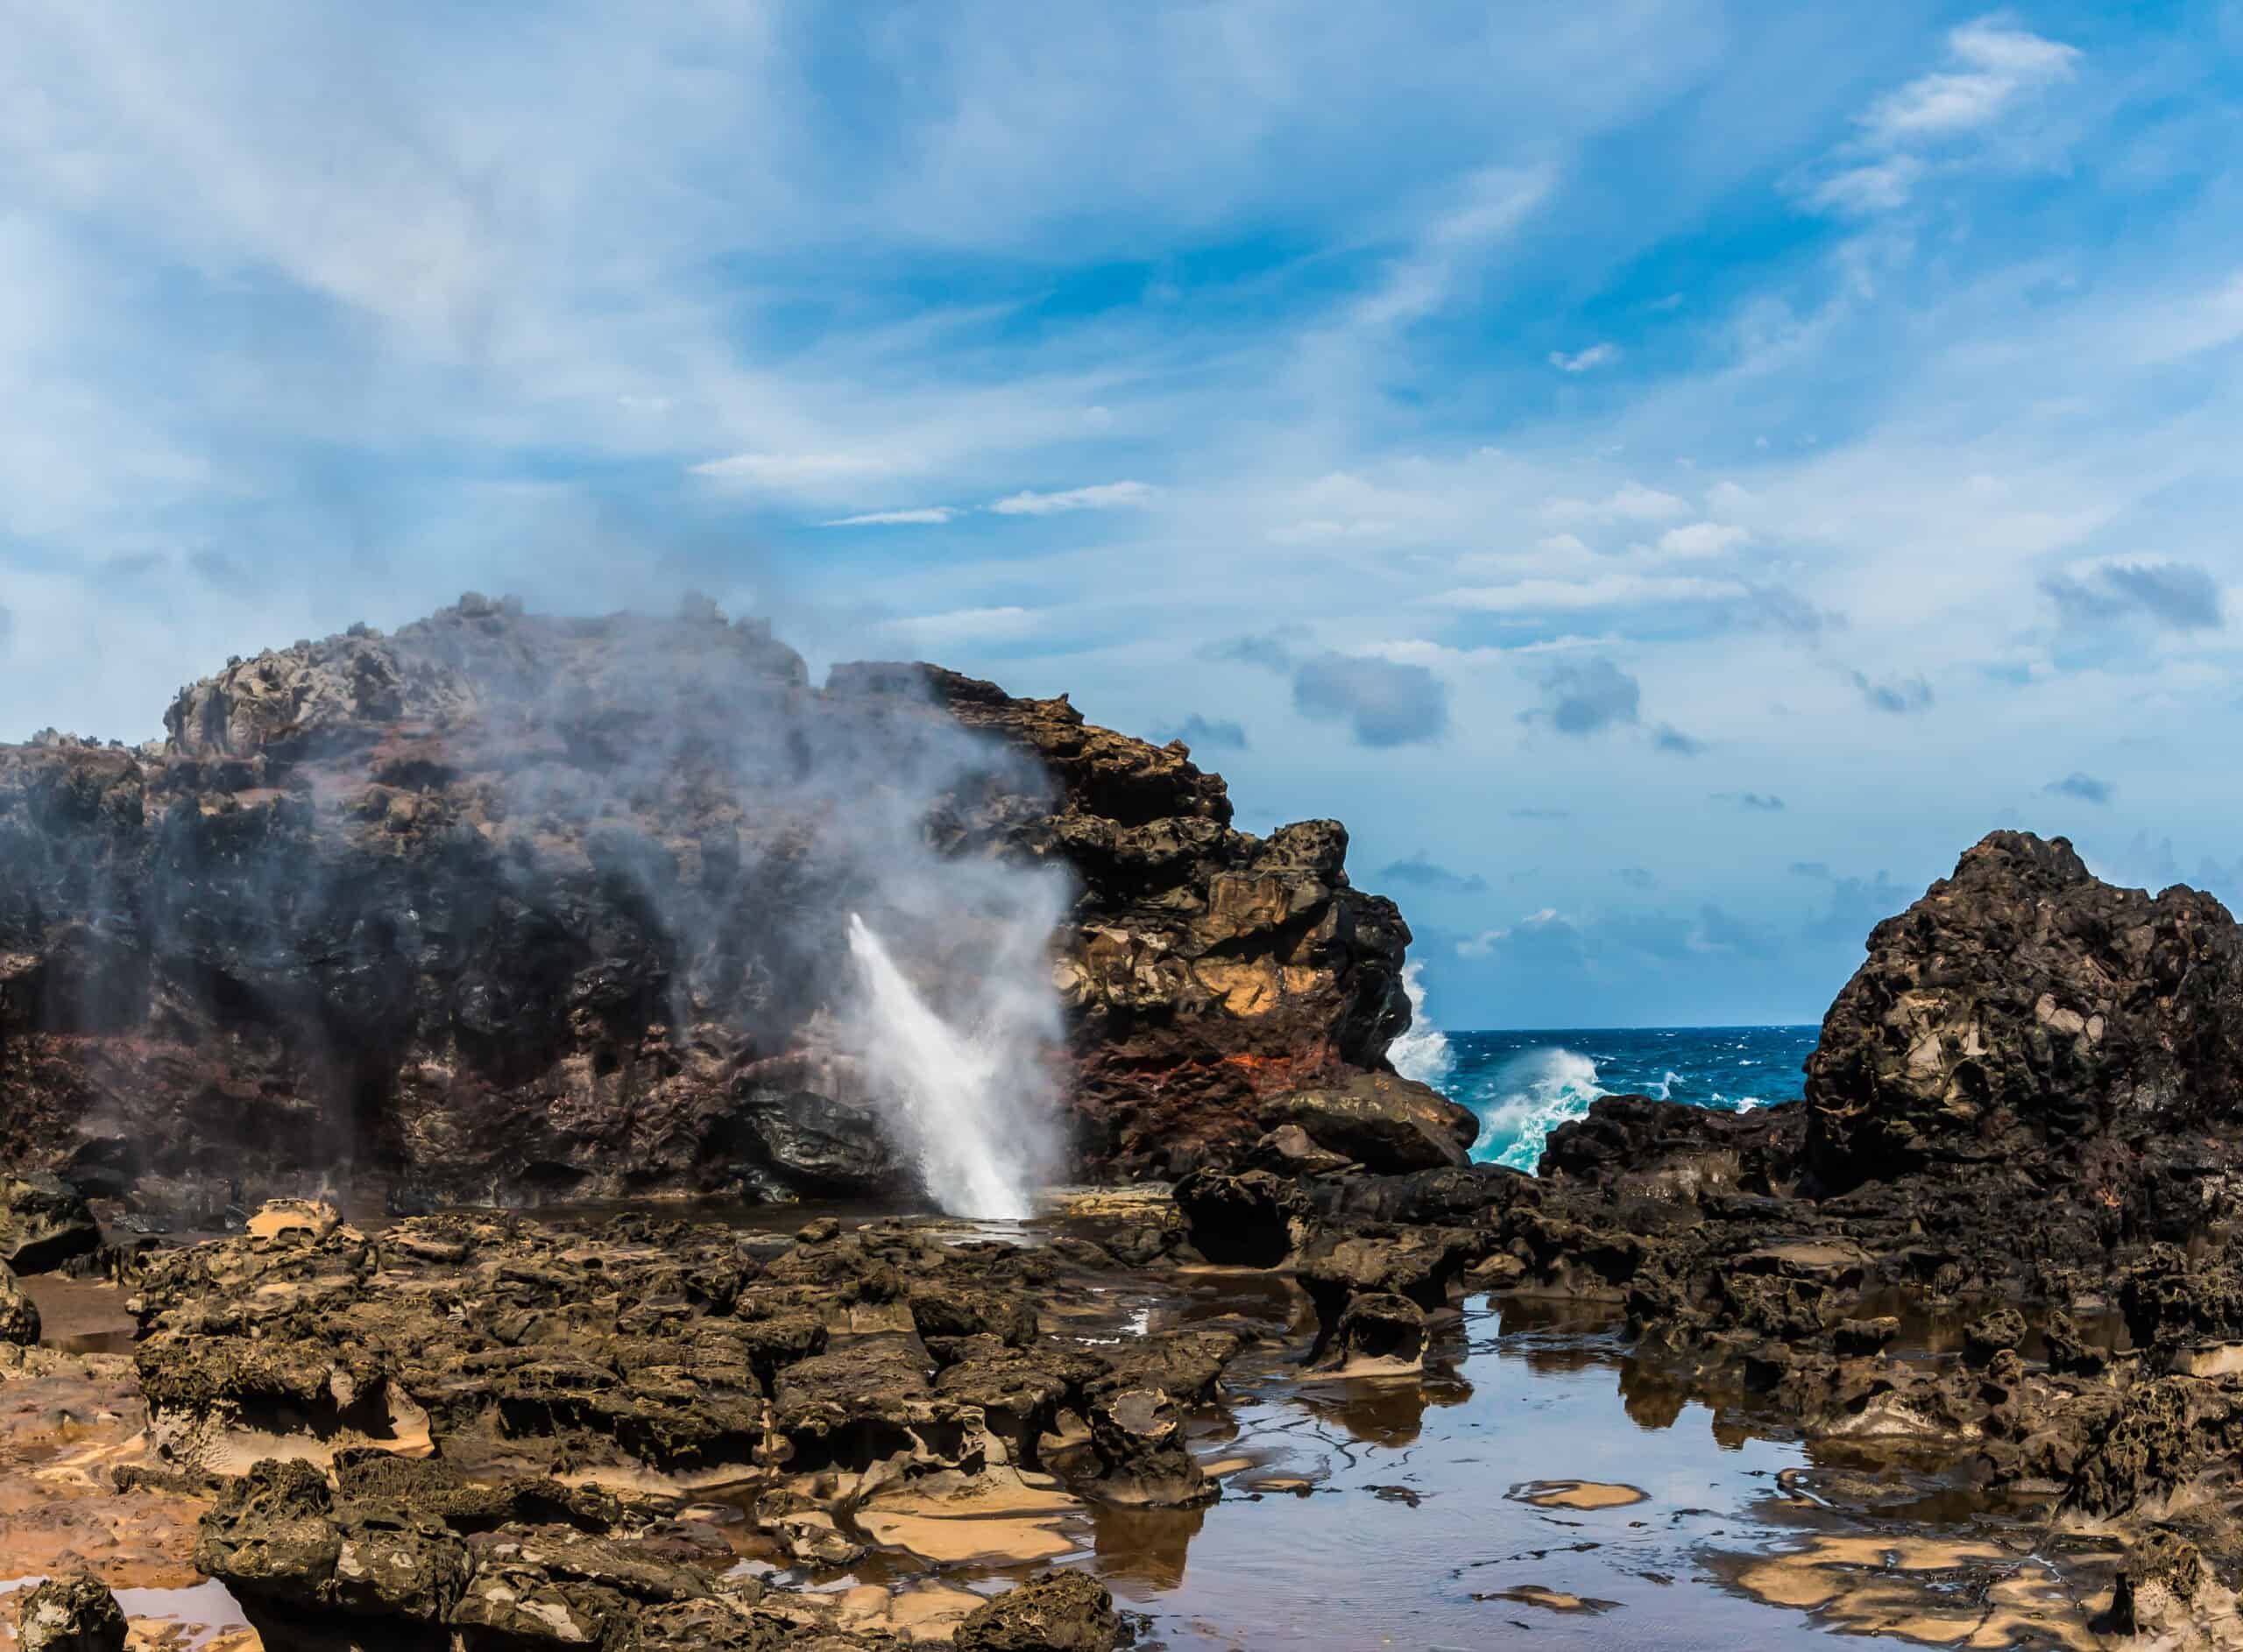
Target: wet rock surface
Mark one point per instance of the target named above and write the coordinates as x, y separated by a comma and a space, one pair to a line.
75, 1613
504, 1432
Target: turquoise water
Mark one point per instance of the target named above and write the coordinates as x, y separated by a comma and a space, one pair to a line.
1524, 1084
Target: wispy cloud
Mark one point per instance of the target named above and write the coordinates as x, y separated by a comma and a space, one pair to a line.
794, 470
1994, 69
1104, 496
1585, 361
914, 517
1995, 65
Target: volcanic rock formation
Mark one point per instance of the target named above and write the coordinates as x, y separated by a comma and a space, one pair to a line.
504, 905
2024, 1006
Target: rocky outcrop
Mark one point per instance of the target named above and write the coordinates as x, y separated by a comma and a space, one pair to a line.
1209, 970
44, 1223
1052, 1612
2024, 1004
1386, 1124
76, 1613
527, 907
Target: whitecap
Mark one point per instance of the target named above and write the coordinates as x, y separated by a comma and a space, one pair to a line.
1527, 1097
1422, 1053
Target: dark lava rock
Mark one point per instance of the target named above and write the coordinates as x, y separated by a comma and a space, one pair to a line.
2000, 1332
2158, 1583
1143, 1461
2169, 1297
1052, 1612
1254, 1219
72, 1613
1388, 1125
1647, 1149
2150, 1444
2023, 1002
1419, 1263
1377, 1327
2070, 1353
19, 1322
44, 1223
540, 907
1858, 1339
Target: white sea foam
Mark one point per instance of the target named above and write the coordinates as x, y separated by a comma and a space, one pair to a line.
971, 1101
1423, 1052
1527, 1097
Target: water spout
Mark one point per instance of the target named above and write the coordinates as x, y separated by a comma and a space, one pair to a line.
970, 1103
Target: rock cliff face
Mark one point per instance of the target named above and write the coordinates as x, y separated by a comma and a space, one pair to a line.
2021, 1006
511, 905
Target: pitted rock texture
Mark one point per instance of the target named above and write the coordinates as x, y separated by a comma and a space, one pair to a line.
504, 904
2024, 1004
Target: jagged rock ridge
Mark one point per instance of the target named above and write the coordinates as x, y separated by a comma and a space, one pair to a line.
513, 906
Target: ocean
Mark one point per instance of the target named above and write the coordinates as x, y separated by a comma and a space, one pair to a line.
1526, 1083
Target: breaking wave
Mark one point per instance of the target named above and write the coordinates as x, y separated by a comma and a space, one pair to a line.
1526, 1097
1423, 1052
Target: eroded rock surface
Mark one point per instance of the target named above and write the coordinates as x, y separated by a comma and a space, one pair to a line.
502, 904
75, 1613
2024, 1004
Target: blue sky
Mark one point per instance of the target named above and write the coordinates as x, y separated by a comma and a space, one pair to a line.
1669, 474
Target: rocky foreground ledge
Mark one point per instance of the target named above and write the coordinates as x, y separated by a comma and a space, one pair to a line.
509, 908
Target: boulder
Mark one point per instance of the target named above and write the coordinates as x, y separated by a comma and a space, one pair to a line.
1052, 1612
1388, 1124
2023, 1003
2000, 1332
1379, 1333
1254, 1219
72, 1613
1143, 1458
2159, 1581
19, 1321
44, 1223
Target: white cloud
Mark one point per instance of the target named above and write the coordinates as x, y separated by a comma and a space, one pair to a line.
1607, 591
2002, 64
1997, 71
1594, 356
1487, 941
1106, 496
1632, 502
963, 625
915, 516
790, 470
1701, 538
1877, 186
